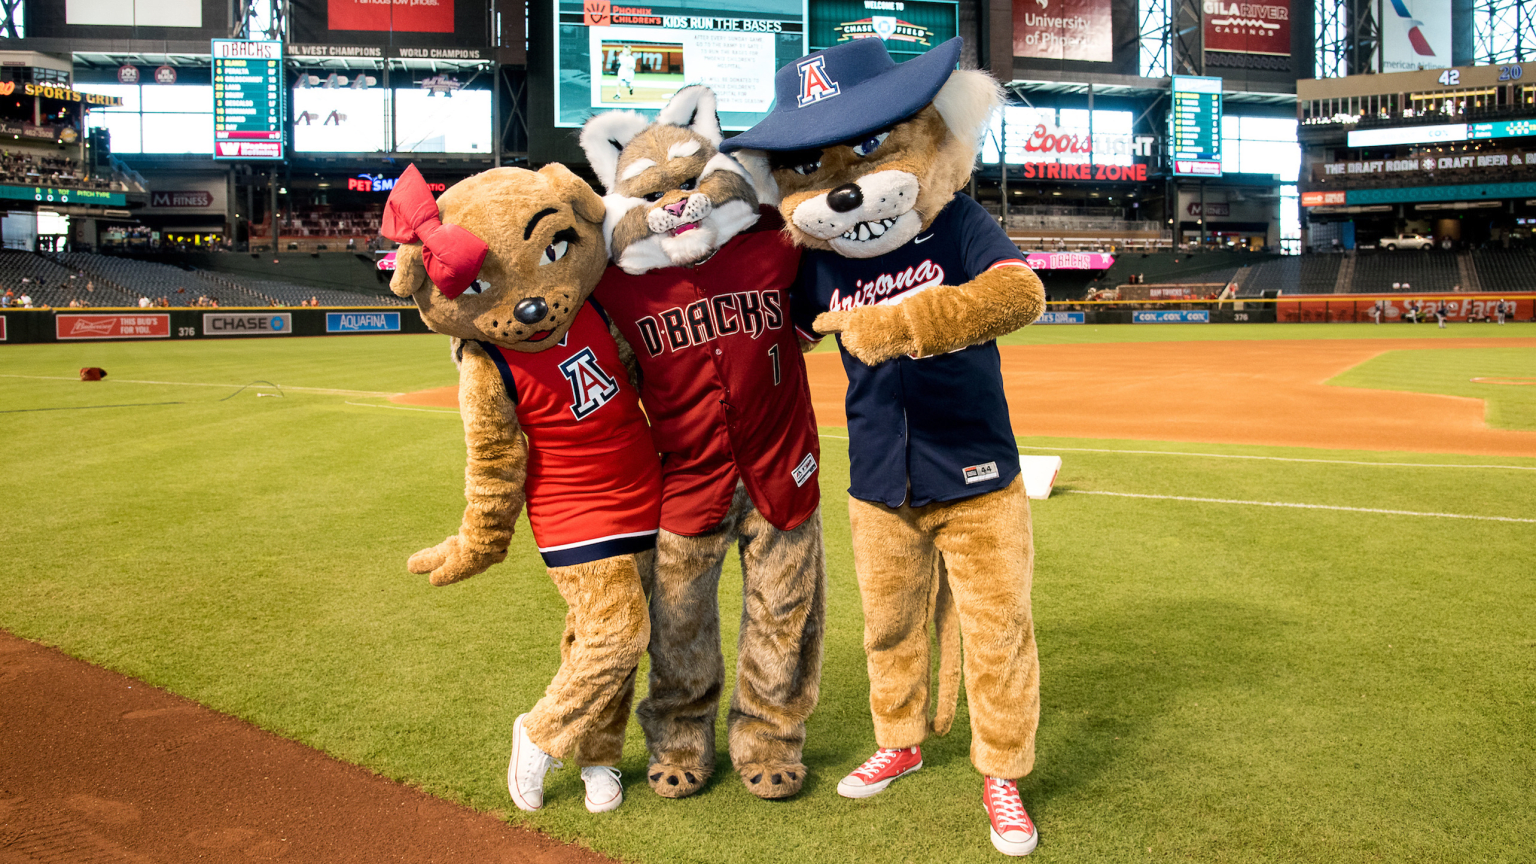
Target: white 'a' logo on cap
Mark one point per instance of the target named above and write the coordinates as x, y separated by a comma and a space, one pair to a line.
815, 85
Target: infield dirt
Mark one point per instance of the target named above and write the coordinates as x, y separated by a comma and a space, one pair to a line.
1261, 392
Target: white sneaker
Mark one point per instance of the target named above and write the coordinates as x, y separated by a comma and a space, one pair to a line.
603, 790
525, 773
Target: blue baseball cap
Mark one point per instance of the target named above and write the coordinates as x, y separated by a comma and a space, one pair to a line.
846, 91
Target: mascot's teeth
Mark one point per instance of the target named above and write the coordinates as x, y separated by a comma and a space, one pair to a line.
869, 230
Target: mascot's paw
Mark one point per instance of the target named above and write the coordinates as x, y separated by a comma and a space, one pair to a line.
873, 334
675, 781
772, 780
451, 561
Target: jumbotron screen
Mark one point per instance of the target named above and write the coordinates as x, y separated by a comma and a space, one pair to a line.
611, 56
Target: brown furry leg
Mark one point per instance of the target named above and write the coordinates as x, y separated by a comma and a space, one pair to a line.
604, 742
895, 560
687, 670
778, 669
606, 631
989, 552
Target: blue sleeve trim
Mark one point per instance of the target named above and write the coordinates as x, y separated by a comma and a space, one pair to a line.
600, 311
501, 366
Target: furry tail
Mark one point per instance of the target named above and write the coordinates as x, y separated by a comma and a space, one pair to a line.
947, 622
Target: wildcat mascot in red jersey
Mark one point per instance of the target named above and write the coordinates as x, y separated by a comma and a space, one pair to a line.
700, 293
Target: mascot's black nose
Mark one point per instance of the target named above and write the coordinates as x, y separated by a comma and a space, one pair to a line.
845, 197
530, 310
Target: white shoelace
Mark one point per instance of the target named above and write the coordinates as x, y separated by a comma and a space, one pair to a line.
876, 763
608, 769
532, 769
1008, 807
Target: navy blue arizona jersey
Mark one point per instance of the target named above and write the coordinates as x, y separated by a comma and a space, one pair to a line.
929, 428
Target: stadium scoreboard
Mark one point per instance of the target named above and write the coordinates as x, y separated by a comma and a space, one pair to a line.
249, 112
1196, 126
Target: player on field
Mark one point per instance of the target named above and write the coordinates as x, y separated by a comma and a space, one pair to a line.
626, 70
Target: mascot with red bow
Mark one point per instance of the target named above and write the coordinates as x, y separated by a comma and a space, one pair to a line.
504, 262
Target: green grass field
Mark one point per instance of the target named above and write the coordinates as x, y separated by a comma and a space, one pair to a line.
1222, 682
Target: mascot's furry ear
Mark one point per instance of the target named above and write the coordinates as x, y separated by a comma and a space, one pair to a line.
756, 163
966, 102
693, 108
410, 273
575, 190
604, 137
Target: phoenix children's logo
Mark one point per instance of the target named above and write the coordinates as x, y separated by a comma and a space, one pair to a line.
814, 83
591, 387
599, 13
888, 289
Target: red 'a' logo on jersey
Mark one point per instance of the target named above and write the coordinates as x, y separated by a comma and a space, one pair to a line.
815, 85
591, 387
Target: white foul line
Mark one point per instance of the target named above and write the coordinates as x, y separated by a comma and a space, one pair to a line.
1297, 506
404, 408
1280, 458
200, 384
1262, 458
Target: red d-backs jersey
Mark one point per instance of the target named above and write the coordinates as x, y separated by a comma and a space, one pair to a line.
723, 380
594, 480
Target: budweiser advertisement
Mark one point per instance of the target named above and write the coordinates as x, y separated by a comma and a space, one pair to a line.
407, 16
1248, 28
1063, 30
156, 326
1322, 199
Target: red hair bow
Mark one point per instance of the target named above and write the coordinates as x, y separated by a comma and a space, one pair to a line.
452, 254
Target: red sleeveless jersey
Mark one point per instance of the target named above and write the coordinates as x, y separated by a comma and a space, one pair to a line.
723, 380
594, 478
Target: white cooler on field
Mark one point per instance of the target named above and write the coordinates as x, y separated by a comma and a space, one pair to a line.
1039, 474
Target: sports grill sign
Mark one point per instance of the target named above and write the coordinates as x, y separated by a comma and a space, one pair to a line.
262, 324
72, 327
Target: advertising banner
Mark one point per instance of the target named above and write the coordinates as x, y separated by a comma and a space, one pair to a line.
1063, 30
1248, 28
362, 322
68, 327
2, 329
609, 56
908, 27
1068, 260
1415, 34
189, 198
1459, 307
1322, 199
189, 20
1462, 166
412, 16
1062, 318
324, 27
1172, 316
243, 324
46, 195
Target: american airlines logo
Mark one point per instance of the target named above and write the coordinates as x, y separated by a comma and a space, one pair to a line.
888, 289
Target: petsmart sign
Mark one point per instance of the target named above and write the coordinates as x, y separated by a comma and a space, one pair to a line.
362, 322
1173, 316
1062, 318
261, 324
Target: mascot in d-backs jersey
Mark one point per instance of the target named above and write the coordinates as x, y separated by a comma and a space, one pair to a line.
700, 293
917, 282
504, 262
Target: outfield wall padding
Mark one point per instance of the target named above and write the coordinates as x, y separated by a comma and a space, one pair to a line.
23, 326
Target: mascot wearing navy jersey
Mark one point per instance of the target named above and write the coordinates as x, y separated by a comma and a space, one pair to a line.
504, 262
865, 157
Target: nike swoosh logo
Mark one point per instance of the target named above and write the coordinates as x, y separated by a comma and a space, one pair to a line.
923, 239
